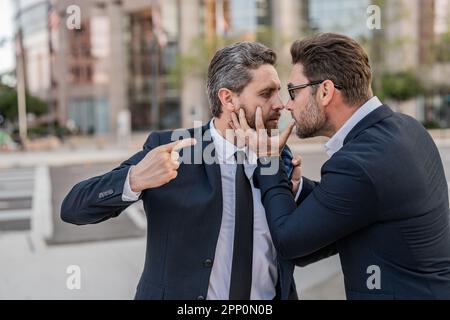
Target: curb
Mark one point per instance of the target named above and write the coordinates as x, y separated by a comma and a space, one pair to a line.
59, 159
41, 214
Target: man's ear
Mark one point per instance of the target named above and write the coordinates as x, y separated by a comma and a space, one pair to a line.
226, 98
326, 92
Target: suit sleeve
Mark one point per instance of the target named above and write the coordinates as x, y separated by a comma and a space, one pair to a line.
330, 250
342, 203
321, 254
307, 188
100, 198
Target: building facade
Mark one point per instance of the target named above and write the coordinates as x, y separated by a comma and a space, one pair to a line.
150, 57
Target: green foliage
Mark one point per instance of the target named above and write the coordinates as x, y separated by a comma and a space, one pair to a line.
400, 86
431, 124
265, 35
8, 103
443, 48
46, 130
197, 61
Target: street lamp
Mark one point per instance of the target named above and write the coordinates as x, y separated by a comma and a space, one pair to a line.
21, 90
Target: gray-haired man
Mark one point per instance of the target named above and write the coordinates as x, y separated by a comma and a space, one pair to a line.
207, 232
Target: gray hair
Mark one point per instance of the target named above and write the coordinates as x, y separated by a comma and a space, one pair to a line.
230, 69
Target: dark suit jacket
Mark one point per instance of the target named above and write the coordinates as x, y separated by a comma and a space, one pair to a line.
382, 201
184, 219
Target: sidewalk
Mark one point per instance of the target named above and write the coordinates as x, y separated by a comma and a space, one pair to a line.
109, 270
91, 150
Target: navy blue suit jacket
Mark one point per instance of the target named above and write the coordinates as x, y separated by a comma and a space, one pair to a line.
184, 219
382, 203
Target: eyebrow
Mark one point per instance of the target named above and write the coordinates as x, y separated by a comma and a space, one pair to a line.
270, 88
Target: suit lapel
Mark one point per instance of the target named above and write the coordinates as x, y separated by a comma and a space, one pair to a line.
208, 152
214, 177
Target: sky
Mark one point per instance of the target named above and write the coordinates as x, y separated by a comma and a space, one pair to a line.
7, 60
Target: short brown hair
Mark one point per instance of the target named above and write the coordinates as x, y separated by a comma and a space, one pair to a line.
338, 58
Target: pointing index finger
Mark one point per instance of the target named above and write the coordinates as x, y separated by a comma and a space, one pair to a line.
178, 145
184, 144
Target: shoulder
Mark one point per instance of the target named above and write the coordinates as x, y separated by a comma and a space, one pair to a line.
159, 138
347, 163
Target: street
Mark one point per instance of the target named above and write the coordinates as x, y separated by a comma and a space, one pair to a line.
16, 193
38, 248
445, 155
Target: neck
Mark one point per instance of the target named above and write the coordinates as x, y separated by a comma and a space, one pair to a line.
339, 118
222, 126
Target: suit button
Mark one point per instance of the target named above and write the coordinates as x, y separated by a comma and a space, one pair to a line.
208, 263
200, 298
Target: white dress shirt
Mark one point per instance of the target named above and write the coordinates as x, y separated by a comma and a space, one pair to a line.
337, 141
264, 272
264, 265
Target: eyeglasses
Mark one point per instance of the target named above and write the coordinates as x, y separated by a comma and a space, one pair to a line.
291, 88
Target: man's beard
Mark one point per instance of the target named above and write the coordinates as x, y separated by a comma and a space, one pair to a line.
251, 120
312, 121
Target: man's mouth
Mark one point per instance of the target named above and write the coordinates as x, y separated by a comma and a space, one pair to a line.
275, 118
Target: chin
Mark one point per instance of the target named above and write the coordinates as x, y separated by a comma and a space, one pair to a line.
271, 127
271, 124
302, 134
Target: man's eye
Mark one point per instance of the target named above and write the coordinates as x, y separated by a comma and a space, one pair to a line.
267, 94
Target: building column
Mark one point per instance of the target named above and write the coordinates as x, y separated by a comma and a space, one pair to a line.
118, 67
61, 67
194, 106
289, 24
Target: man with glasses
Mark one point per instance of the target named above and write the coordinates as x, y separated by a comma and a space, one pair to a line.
382, 202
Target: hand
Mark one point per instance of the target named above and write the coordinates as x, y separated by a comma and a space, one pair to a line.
159, 167
258, 140
296, 173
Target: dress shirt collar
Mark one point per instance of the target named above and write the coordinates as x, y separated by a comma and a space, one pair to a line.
337, 141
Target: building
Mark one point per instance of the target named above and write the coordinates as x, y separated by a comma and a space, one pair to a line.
346, 16
124, 54
31, 21
150, 57
115, 61
410, 31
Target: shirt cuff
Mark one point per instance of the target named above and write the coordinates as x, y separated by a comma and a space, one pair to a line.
129, 195
299, 191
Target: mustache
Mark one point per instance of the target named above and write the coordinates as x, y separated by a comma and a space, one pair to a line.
274, 116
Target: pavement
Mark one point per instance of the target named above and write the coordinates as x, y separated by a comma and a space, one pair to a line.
39, 251
16, 193
64, 178
108, 270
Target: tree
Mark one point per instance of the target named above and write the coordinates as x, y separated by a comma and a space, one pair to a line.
400, 86
442, 48
196, 62
8, 104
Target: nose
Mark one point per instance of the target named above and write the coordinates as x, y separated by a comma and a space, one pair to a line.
289, 105
278, 104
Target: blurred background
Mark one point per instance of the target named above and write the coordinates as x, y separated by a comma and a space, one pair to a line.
82, 84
